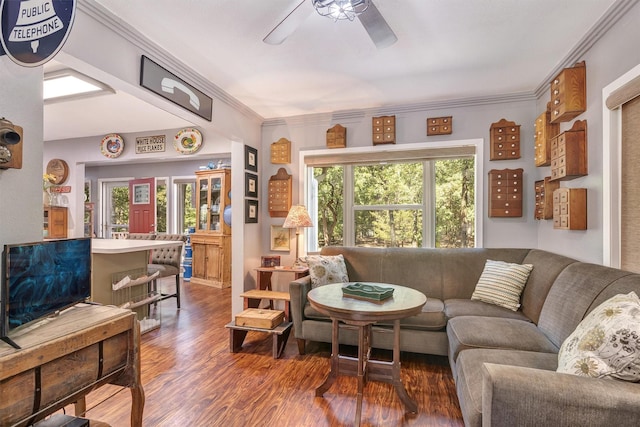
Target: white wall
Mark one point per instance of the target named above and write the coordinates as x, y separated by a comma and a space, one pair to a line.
21, 212
608, 55
613, 55
469, 122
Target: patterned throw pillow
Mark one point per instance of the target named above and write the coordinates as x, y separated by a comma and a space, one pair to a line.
606, 343
501, 283
325, 269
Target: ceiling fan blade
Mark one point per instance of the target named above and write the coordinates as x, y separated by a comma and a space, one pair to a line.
289, 24
380, 32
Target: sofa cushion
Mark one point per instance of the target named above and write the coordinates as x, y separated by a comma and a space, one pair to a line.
469, 375
501, 283
325, 269
606, 343
466, 307
467, 332
431, 318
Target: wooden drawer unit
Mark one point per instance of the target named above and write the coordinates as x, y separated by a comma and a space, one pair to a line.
439, 126
545, 131
504, 140
570, 208
337, 137
569, 153
281, 151
544, 198
384, 130
505, 193
569, 93
279, 194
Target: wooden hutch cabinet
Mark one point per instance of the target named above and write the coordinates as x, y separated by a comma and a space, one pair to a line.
55, 222
211, 243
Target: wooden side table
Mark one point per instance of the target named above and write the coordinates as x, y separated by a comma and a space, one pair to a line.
265, 273
405, 302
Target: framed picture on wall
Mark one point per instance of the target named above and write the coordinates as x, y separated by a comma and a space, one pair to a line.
250, 158
280, 238
250, 184
250, 211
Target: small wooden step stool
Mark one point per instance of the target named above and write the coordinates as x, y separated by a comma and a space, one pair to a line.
253, 297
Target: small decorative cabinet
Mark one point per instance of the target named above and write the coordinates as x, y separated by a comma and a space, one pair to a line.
569, 153
505, 193
504, 140
337, 137
281, 151
211, 243
384, 130
55, 222
545, 131
439, 125
570, 208
544, 198
279, 194
569, 93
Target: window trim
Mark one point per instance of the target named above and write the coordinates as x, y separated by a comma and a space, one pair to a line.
394, 151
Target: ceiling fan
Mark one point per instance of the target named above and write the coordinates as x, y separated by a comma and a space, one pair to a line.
365, 10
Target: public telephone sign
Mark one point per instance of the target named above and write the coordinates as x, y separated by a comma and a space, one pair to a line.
33, 31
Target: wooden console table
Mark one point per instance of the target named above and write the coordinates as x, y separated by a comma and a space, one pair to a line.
64, 358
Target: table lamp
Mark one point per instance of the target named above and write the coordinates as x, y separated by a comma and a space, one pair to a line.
296, 218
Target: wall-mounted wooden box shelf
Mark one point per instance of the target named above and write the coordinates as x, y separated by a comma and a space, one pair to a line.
384, 130
337, 137
569, 153
544, 198
504, 140
505, 193
279, 194
544, 132
569, 93
439, 125
281, 151
570, 208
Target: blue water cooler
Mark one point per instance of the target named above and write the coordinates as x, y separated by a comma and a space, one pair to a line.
187, 264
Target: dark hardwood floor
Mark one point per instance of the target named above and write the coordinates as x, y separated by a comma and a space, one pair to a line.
191, 379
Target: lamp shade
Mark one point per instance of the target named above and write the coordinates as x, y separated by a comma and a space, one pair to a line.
297, 217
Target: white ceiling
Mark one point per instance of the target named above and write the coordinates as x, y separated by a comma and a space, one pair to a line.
446, 49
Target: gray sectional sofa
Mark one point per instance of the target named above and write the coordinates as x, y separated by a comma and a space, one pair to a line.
503, 362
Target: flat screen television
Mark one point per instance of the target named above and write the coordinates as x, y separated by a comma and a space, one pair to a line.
42, 278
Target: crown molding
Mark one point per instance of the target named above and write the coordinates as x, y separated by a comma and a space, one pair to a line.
162, 57
595, 33
356, 115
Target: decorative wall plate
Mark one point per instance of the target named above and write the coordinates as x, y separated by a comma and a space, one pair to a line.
187, 141
112, 145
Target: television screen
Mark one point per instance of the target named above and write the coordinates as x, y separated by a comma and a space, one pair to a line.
42, 278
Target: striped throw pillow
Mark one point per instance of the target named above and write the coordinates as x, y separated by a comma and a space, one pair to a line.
502, 283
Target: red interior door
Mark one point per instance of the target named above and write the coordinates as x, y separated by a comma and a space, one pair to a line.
142, 205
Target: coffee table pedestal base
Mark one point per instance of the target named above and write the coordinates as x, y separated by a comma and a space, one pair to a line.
364, 368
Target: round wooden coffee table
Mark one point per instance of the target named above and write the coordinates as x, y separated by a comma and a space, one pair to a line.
405, 302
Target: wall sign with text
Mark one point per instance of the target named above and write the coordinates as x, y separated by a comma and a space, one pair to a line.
33, 31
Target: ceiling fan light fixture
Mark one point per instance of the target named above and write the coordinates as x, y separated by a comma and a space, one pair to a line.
341, 9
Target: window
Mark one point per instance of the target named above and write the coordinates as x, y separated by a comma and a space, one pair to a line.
186, 215
395, 202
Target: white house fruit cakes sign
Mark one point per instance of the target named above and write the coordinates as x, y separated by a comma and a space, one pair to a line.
33, 31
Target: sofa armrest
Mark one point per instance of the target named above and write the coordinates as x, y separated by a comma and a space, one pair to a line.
298, 290
513, 395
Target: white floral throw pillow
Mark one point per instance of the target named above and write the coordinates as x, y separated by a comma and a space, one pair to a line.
606, 343
326, 269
